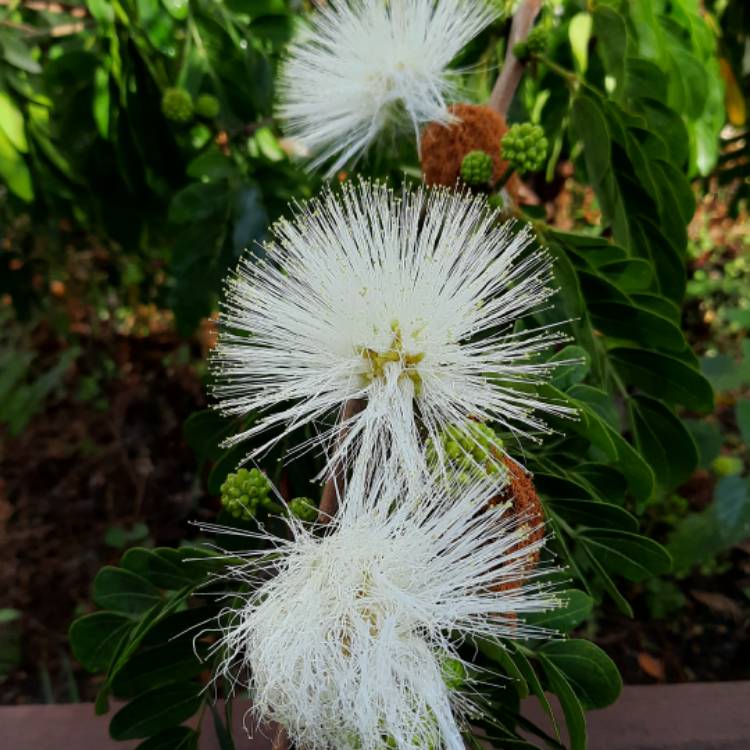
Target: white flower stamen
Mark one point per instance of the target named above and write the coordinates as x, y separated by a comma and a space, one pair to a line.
365, 64
342, 639
406, 300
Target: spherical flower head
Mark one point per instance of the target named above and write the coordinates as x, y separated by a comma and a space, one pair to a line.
303, 508
470, 451
476, 168
524, 146
365, 65
177, 105
243, 492
207, 105
351, 639
411, 302
534, 45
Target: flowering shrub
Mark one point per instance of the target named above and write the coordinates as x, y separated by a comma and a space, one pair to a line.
489, 401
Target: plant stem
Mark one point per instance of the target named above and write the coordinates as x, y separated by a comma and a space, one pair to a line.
329, 504
329, 500
510, 76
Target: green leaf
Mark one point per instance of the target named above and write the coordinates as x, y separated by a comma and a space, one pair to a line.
156, 567
223, 730
571, 706
576, 607
13, 170
663, 377
178, 9
632, 275
176, 738
632, 323
579, 34
723, 524
593, 514
123, 591
575, 369
198, 201
591, 126
663, 440
633, 556
609, 585
612, 43
95, 638
708, 439
12, 124
742, 414
171, 662
155, 711
499, 652
591, 673
17, 53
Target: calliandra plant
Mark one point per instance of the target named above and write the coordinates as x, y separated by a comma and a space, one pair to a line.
351, 639
365, 66
626, 370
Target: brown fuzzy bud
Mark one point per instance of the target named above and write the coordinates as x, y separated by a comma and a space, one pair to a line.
525, 503
444, 147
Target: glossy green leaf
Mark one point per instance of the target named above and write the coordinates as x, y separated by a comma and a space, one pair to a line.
156, 710
742, 414
630, 555
664, 441
663, 377
571, 706
12, 123
575, 608
171, 662
14, 171
632, 323
95, 638
123, 591
591, 673
593, 514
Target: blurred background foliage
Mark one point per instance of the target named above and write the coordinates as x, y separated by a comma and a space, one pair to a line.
139, 157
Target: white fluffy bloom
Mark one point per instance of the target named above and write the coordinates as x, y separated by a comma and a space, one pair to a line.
409, 301
343, 638
366, 64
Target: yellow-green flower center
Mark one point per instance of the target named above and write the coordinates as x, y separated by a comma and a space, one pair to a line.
376, 361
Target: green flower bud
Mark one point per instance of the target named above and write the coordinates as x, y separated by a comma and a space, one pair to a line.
524, 146
177, 105
727, 466
472, 450
454, 674
476, 168
207, 105
243, 492
537, 40
303, 508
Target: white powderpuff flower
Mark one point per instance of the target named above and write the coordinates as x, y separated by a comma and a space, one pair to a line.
367, 64
409, 301
344, 638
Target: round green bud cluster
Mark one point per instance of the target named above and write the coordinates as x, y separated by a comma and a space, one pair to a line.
525, 147
534, 45
303, 508
476, 168
177, 105
727, 466
454, 674
207, 105
471, 450
244, 492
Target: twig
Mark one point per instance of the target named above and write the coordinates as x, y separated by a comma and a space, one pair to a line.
329, 501
510, 76
280, 740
